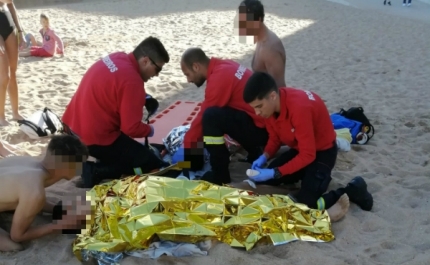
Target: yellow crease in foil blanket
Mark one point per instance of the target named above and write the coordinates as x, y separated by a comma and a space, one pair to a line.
129, 213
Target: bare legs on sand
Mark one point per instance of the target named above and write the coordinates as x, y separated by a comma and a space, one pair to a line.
25, 53
8, 66
33, 40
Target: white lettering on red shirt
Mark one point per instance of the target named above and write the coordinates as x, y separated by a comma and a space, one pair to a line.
108, 62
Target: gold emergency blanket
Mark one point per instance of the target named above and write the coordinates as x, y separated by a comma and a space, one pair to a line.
129, 213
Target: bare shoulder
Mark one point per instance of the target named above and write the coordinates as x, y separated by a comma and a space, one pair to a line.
19, 161
22, 181
274, 44
18, 173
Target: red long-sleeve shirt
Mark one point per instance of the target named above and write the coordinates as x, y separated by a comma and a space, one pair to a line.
303, 124
225, 82
109, 99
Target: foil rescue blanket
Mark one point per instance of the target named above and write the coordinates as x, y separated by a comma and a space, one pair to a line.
130, 213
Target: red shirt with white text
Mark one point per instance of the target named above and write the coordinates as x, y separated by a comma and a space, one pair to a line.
108, 101
303, 124
226, 80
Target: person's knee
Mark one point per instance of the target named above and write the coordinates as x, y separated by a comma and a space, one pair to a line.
212, 114
4, 79
12, 70
318, 182
312, 189
212, 121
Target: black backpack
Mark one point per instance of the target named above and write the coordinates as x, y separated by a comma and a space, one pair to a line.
357, 114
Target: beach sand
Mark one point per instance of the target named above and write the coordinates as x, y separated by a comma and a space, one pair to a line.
359, 54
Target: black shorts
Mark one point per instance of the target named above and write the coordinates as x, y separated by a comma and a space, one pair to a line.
310, 175
126, 155
6, 27
314, 178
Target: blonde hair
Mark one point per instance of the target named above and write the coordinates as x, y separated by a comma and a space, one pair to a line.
44, 17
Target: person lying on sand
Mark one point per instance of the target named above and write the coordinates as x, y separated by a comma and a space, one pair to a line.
5, 151
52, 43
269, 56
106, 113
223, 111
23, 182
299, 119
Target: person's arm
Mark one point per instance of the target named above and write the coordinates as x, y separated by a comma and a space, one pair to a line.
273, 143
217, 94
131, 110
304, 131
28, 207
59, 41
275, 66
14, 13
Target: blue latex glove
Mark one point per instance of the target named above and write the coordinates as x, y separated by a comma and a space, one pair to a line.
259, 162
179, 156
152, 131
265, 174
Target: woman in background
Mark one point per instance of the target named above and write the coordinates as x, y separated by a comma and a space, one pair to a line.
50, 42
11, 36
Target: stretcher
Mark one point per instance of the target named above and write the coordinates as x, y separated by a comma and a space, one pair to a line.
179, 113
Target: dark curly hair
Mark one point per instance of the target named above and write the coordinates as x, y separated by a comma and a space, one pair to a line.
68, 146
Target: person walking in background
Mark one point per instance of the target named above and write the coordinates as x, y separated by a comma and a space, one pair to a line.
10, 40
385, 2
409, 2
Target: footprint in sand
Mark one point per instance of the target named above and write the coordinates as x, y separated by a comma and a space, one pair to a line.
373, 186
81, 43
425, 147
425, 247
59, 76
61, 82
409, 125
45, 92
165, 87
383, 170
412, 201
389, 250
374, 226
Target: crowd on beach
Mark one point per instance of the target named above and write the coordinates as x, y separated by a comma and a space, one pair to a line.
253, 106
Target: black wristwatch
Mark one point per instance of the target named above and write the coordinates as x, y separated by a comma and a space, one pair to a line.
278, 174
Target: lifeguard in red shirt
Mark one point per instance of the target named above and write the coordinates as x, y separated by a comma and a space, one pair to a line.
107, 109
300, 120
223, 111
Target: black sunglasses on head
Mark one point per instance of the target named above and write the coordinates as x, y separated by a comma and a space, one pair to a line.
156, 65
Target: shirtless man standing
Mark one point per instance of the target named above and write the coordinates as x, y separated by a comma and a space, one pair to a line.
23, 182
269, 56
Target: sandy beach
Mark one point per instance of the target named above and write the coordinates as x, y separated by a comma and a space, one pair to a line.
351, 52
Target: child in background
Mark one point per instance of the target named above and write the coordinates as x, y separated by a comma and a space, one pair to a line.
50, 41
